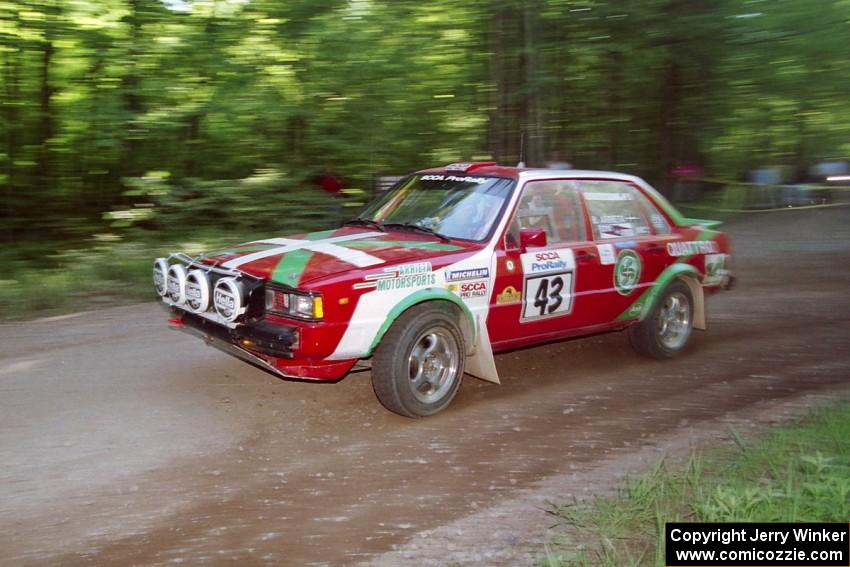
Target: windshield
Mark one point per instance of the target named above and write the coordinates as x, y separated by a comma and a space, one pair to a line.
464, 207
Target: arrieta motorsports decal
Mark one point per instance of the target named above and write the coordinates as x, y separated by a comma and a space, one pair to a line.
400, 277
743, 544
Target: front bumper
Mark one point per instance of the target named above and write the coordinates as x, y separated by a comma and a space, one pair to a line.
262, 337
268, 346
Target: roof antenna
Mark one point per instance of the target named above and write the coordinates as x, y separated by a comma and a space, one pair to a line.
521, 162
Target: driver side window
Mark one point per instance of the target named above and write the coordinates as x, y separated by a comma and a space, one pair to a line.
552, 206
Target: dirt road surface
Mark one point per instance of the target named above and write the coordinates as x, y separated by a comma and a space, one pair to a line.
123, 443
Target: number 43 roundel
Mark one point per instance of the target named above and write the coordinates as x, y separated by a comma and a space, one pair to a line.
548, 281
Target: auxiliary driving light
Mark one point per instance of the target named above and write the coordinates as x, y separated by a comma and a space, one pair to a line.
228, 299
176, 283
197, 291
160, 275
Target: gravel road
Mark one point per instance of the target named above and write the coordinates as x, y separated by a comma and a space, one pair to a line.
124, 443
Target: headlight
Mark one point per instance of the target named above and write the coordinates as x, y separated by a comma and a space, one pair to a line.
277, 301
297, 305
176, 282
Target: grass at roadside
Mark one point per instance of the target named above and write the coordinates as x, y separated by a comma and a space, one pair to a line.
56, 278
77, 280
799, 472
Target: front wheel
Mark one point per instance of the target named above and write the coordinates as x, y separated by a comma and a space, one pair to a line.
666, 330
418, 366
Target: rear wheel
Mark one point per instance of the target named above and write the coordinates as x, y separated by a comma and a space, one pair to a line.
666, 330
418, 366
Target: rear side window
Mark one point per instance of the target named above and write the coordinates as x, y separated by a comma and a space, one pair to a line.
617, 209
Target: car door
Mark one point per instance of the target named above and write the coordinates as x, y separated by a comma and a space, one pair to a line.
630, 236
545, 292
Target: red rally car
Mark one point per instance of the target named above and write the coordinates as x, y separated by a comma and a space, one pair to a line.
448, 267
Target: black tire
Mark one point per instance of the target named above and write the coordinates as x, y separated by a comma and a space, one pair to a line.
666, 330
418, 366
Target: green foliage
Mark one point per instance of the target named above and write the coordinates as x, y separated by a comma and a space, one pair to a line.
105, 273
799, 473
269, 201
97, 93
243, 103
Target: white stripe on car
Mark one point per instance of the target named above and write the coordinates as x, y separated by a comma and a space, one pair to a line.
327, 246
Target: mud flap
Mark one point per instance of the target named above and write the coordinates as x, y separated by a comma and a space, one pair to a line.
481, 363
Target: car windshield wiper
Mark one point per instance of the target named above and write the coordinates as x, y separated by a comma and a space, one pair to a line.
417, 228
357, 221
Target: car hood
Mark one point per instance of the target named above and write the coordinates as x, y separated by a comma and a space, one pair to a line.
301, 259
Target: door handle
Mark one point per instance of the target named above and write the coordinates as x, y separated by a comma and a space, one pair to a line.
655, 248
584, 256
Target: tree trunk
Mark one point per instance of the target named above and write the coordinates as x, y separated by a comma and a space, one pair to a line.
615, 61
46, 129
131, 96
11, 95
668, 139
531, 110
497, 119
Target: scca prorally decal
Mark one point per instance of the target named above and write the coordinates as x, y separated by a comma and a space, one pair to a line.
455, 178
400, 277
468, 290
546, 261
692, 247
470, 274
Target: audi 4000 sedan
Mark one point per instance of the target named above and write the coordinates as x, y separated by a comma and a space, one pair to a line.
448, 267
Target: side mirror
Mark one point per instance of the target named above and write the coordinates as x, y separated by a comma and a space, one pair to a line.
531, 237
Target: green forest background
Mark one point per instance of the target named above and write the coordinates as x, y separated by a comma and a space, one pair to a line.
127, 126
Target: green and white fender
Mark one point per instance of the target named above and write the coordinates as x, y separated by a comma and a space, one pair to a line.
687, 273
377, 310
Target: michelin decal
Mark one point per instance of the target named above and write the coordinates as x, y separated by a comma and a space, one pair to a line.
469, 274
